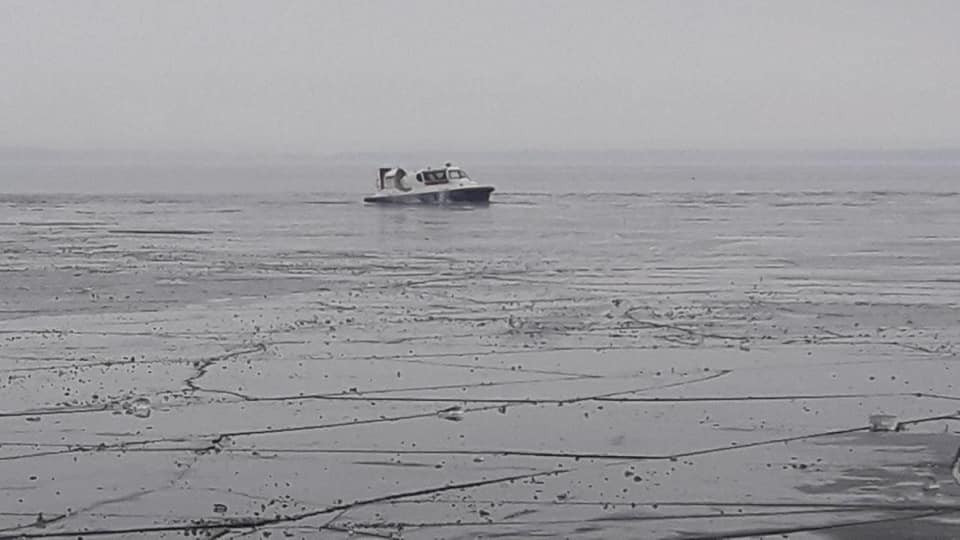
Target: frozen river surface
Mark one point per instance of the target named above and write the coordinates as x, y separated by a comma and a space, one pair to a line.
672, 365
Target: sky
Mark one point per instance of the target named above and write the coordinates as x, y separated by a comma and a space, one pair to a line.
322, 77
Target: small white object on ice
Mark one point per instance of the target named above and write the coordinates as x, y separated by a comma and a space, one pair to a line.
139, 407
883, 422
454, 414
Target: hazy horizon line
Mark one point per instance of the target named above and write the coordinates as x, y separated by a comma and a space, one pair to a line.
26, 151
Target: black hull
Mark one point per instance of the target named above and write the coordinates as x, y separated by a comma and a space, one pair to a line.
472, 195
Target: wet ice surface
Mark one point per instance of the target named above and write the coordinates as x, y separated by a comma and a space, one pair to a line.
599, 366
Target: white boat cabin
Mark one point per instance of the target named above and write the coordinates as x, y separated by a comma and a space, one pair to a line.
393, 178
429, 177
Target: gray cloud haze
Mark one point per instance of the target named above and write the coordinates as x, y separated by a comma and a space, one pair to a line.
323, 76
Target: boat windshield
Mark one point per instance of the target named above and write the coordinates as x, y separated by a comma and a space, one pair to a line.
456, 174
434, 177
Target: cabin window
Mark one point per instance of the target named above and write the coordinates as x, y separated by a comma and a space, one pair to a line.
435, 177
455, 175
